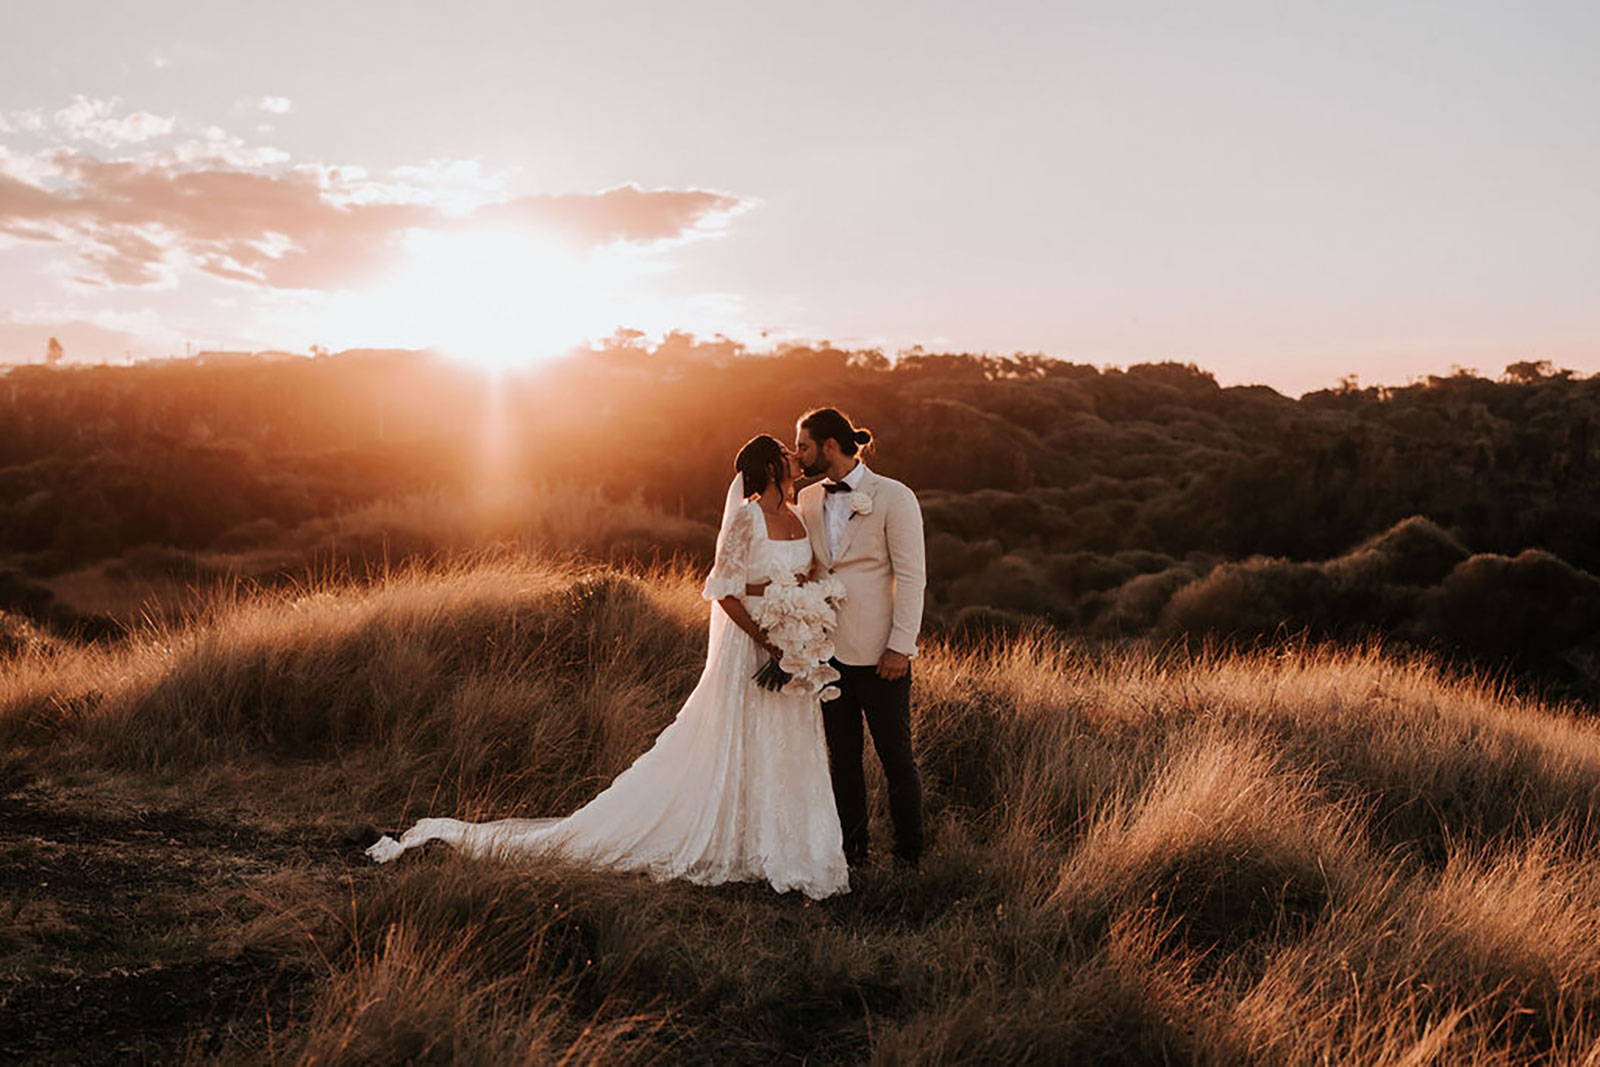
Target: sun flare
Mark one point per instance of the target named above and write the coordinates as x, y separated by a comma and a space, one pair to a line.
498, 299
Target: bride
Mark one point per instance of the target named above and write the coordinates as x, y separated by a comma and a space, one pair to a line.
736, 788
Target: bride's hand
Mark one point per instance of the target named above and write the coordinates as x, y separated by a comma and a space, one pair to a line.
756, 588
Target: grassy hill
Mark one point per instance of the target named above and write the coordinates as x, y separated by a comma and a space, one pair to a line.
1312, 854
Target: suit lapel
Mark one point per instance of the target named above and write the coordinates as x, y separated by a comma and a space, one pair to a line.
869, 486
816, 529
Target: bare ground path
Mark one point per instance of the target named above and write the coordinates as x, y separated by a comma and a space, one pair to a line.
116, 928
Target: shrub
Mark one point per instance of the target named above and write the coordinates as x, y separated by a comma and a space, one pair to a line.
1260, 597
1087, 572
1137, 604
1012, 583
1530, 606
1414, 551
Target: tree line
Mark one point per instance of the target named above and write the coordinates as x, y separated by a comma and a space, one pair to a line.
1112, 501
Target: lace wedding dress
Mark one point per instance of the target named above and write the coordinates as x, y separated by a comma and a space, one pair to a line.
736, 788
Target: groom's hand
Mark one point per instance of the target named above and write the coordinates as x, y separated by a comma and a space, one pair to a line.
893, 665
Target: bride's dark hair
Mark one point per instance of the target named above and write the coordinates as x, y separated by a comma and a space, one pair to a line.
760, 461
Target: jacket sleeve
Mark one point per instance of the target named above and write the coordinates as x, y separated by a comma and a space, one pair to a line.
902, 529
730, 573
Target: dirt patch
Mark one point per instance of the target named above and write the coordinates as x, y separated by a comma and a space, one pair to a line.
157, 1012
113, 926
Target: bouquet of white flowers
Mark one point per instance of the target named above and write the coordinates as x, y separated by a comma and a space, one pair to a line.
799, 618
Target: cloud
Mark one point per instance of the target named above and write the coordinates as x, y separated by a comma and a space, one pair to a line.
247, 214
460, 186
133, 223
626, 213
136, 222
23, 122
216, 147
34, 168
92, 119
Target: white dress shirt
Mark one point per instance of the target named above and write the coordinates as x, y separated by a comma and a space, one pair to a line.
836, 508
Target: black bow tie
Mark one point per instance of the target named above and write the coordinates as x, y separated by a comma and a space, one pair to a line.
836, 487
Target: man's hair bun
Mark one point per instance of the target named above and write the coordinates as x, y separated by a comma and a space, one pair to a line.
825, 423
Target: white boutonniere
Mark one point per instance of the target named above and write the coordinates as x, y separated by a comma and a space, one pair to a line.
860, 503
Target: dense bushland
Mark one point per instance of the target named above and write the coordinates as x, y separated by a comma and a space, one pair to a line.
1455, 514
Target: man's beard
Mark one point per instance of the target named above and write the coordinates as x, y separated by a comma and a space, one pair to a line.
814, 470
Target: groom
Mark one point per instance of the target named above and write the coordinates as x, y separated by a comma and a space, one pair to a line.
867, 531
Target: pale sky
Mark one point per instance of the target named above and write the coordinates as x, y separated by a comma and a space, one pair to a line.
1280, 192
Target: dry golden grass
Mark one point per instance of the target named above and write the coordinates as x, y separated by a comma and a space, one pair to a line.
154, 584
1312, 855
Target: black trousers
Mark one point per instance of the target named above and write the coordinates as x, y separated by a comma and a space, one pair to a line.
886, 707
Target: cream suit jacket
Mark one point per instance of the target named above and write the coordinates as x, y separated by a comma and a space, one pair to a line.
882, 564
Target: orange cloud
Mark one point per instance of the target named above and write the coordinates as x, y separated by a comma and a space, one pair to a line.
136, 222
626, 213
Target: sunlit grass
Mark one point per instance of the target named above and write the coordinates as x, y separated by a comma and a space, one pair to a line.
1316, 854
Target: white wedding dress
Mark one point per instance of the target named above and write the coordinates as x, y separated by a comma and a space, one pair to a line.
735, 789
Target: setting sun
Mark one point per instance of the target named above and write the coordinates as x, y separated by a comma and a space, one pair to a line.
492, 298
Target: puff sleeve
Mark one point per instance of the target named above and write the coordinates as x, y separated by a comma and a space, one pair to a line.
730, 573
